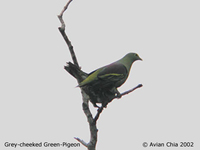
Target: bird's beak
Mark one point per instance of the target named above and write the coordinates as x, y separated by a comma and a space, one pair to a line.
140, 59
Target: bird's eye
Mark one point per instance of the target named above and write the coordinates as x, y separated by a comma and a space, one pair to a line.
136, 55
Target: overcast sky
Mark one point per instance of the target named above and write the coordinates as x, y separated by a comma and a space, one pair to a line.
39, 101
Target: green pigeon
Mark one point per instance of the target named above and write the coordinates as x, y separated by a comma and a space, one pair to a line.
105, 80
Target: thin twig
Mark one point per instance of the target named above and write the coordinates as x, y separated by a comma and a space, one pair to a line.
62, 31
65, 7
71, 49
61, 14
81, 141
131, 90
99, 111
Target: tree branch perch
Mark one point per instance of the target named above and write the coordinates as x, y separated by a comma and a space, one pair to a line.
79, 75
76, 72
131, 90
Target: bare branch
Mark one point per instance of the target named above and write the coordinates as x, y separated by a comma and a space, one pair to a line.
93, 129
75, 71
61, 14
62, 31
98, 113
131, 90
65, 7
81, 141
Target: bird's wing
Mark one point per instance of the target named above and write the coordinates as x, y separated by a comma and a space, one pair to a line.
111, 73
114, 71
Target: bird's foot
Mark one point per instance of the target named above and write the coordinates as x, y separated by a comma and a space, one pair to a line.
95, 105
118, 95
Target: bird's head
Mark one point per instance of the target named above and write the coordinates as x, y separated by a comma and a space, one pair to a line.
133, 56
128, 60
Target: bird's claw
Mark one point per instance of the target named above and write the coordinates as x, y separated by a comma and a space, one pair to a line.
118, 95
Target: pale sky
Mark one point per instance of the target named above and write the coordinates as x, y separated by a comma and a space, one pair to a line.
39, 101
